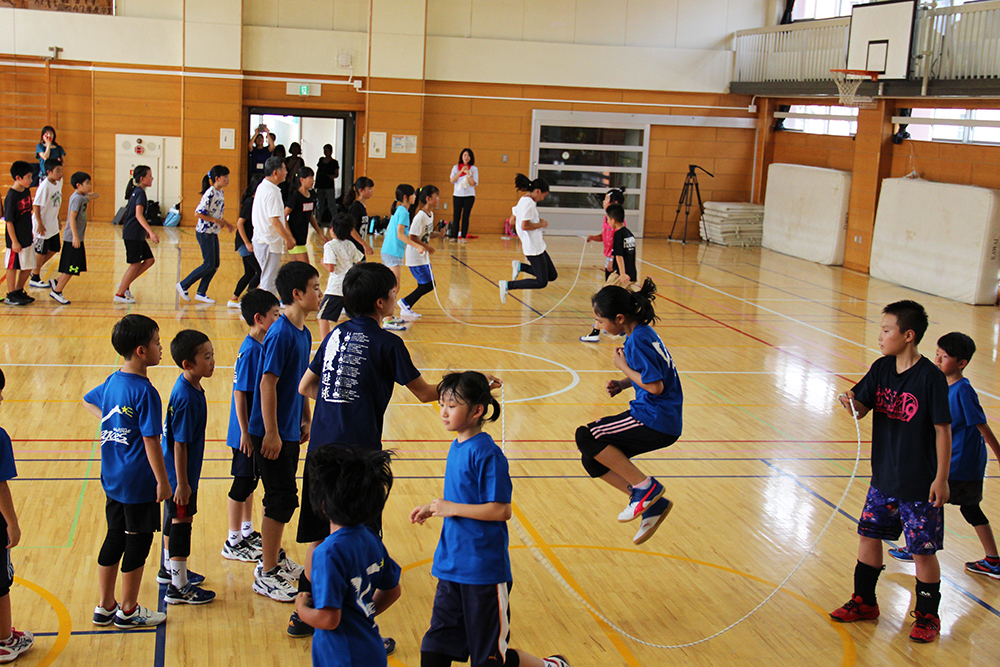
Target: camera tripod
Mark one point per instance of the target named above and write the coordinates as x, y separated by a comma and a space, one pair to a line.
690, 188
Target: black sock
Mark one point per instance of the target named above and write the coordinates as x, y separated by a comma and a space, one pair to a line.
305, 586
928, 597
36, 277
865, 578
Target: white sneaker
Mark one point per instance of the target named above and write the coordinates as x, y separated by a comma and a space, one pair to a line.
406, 312
292, 569
183, 292
18, 643
593, 337
233, 304
273, 585
243, 551
555, 661
124, 299
515, 269
203, 298
59, 297
128, 295
139, 618
651, 519
503, 291
40, 284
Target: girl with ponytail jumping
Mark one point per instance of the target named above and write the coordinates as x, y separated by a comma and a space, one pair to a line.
209, 213
653, 420
529, 228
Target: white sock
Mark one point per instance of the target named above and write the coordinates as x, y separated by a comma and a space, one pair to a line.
247, 528
645, 483
179, 573
235, 537
166, 559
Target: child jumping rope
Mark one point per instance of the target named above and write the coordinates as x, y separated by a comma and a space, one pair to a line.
653, 420
419, 251
529, 228
396, 240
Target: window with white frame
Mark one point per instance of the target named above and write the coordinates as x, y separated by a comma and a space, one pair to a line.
828, 9
958, 125
826, 121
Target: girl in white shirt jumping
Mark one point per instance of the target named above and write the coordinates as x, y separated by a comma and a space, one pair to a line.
529, 228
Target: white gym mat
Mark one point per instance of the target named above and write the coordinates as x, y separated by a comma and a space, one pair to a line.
805, 212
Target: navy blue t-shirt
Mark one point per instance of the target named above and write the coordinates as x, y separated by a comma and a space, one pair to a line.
357, 364
244, 376
132, 410
131, 229
968, 449
347, 568
187, 418
8, 470
646, 354
472, 551
286, 355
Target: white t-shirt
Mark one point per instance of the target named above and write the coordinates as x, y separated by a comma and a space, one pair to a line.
421, 227
48, 196
267, 204
463, 188
532, 241
343, 255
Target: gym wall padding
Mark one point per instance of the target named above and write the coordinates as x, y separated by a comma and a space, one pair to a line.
805, 212
938, 238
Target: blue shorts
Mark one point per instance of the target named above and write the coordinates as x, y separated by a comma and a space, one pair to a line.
243, 465
470, 621
886, 518
422, 273
391, 260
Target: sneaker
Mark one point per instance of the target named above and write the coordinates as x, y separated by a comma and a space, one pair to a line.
203, 298
273, 584
297, 627
139, 618
104, 616
901, 554
163, 577
190, 594
18, 643
651, 520
14, 299
124, 299
926, 628
243, 551
515, 269
503, 291
406, 311
390, 645
394, 324
128, 295
984, 567
255, 540
292, 569
38, 282
59, 297
641, 500
855, 610
233, 304
183, 292
24, 296
593, 337
555, 661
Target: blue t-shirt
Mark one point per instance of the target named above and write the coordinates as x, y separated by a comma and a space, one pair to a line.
132, 410
391, 244
8, 470
347, 568
187, 418
285, 354
472, 551
244, 376
646, 354
968, 449
357, 364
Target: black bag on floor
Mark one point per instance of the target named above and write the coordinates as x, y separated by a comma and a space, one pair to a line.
153, 216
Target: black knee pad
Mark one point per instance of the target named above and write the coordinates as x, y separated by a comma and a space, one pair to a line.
305, 586
136, 550
974, 515
180, 540
511, 658
281, 507
242, 488
593, 467
585, 441
112, 549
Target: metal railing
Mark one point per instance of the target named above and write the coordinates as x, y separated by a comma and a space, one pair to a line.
957, 43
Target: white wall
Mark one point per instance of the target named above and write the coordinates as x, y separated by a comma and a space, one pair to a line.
338, 15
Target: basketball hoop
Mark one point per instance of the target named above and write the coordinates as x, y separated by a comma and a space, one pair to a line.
848, 81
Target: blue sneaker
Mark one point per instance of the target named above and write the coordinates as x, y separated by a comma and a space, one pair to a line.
298, 628
983, 567
195, 579
104, 616
901, 554
641, 500
651, 520
189, 594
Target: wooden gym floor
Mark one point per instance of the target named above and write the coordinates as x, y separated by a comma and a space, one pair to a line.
763, 342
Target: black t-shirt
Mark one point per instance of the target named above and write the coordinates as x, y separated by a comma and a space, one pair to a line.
131, 229
359, 213
623, 245
17, 210
246, 212
300, 214
905, 407
326, 171
258, 157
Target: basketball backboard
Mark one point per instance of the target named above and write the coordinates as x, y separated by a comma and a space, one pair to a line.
881, 38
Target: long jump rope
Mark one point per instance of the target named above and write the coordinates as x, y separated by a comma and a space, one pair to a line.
551, 569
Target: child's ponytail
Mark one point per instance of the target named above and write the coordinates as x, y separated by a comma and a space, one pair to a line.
403, 190
524, 184
613, 300
216, 172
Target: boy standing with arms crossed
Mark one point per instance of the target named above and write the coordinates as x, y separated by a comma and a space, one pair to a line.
19, 260
133, 473
911, 455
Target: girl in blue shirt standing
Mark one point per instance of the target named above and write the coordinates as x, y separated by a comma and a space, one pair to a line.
653, 420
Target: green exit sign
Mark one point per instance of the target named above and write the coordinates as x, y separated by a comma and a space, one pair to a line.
303, 89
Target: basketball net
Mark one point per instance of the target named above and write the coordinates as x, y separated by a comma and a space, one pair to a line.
847, 85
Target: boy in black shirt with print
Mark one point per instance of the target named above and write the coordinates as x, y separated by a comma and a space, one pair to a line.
20, 255
911, 457
622, 246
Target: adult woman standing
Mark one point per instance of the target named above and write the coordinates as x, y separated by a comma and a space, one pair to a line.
47, 148
465, 178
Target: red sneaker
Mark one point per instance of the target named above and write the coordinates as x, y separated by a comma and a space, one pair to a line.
926, 628
855, 610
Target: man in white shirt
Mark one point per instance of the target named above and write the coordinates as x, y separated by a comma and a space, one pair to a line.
270, 233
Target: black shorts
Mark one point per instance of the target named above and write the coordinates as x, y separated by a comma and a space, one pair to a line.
132, 517
965, 492
622, 431
243, 465
313, 526
72, 261
278, 477
172, 510
137, 251
6, 566
470, 620
331, 306
45, 246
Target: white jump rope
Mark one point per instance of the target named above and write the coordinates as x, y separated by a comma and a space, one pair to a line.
544, 561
